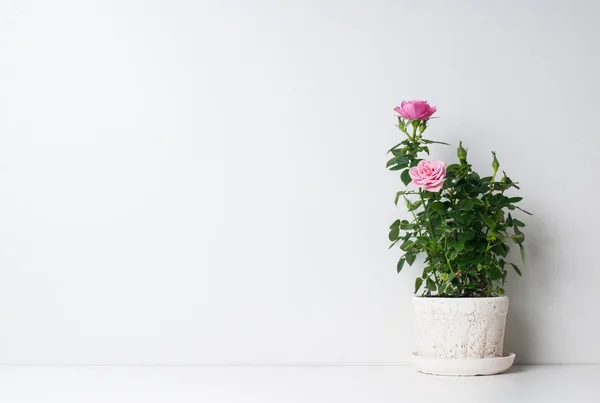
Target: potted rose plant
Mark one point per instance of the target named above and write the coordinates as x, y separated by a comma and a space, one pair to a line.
463, 225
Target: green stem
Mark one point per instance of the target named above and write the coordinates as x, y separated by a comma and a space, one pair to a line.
426, 214
492, 246
487, 205
414, 217
445, 252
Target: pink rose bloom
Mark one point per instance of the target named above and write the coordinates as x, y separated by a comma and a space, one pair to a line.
415, 110
428, 175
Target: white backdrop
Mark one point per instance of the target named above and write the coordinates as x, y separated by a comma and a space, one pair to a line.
191, 182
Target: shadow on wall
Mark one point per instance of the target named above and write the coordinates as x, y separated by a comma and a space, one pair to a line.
522, 337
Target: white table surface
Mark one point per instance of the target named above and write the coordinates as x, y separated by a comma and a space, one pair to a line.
559, 383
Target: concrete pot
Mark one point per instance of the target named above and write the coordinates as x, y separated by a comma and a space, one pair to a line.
459, 333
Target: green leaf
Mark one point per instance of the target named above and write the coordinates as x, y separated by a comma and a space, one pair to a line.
430, 284
406, 245
401, 156
442, 289
398, 167
466, 219
400, 264
415, 205
519, 234
410, 258
459, 246
501, 250
516, 269
494, 273
517, 223
398, 197
480, 247
466, 205
474, 177
457, 216
405, 177
418, 283
452, 168
464, 260
498, 200
395, 224
509, 220
508, 182
405, 225
490, 222
522, 252
501, 291
466, 235
514, 199
436, 222
526, 212
394, 147
426, 141
500, 186
438, 207
401, 160
394, 234
493, 235
415, 162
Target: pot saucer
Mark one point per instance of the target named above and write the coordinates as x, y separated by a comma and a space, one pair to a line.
462, 366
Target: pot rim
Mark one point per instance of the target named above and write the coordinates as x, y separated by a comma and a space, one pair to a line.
459, 298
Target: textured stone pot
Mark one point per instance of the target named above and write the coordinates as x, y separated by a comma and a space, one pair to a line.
460, 329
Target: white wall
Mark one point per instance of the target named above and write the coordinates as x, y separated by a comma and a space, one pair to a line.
193, 182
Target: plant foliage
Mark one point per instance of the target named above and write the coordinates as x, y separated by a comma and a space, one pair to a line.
465, 231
